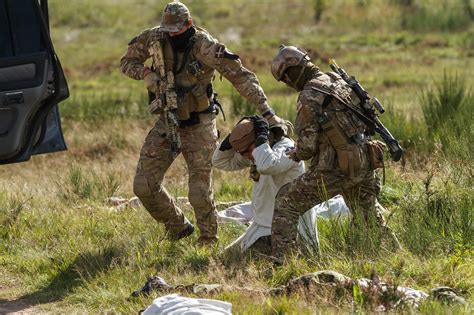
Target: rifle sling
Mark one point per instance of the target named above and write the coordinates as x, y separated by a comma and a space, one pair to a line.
187, 52
366, 120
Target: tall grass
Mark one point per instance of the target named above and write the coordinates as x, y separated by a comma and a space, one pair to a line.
319, 7
99, 107
81, 184
448, 15
406, 128
11, 208
448, 109
436, 217
444, 103
62, 244
240, 106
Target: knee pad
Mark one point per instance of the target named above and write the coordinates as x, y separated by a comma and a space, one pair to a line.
141, 188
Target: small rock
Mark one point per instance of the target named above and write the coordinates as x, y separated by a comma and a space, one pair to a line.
447, 294
330, 276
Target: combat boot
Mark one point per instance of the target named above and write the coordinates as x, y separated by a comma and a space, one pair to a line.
188, 230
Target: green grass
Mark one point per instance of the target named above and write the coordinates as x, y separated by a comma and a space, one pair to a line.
61, 243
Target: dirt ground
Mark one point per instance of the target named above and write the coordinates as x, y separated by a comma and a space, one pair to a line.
13, 302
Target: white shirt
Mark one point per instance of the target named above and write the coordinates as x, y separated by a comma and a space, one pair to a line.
275, 169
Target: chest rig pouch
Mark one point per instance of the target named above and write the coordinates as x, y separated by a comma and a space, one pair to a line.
191, 84
343, 133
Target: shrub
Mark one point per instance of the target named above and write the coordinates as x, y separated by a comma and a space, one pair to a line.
436, 217
447, 109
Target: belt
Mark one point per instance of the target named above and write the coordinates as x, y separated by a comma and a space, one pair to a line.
194, 116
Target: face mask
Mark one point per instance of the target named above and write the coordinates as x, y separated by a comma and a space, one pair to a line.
179, 42
296, 77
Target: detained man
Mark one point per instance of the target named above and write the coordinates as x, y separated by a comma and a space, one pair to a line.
252, 143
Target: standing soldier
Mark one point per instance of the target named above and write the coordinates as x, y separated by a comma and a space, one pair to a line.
191, 55
335, 139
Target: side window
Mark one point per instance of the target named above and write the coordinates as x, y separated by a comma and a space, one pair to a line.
20, 28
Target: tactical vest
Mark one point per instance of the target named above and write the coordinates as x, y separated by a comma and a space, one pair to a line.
192, 79
341, 130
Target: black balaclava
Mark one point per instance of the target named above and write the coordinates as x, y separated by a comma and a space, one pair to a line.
298, 79
179, 42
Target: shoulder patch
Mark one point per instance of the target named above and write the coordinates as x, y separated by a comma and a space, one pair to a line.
220, 51
229, 55
223, 52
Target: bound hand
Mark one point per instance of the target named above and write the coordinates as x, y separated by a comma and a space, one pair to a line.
151, 81
291, 153
225, 144
260, 126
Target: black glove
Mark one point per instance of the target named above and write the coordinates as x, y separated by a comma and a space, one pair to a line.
225, 144
260, 126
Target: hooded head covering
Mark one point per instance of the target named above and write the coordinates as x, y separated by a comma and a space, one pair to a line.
242, 136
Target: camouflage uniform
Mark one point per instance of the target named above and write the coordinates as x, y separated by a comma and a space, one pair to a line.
326, 177
193, 70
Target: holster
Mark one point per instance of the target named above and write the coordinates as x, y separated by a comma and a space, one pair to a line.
376, 149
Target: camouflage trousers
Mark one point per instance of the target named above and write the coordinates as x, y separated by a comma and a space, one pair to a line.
314, 187
198, 144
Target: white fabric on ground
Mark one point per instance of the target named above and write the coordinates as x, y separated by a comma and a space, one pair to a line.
240, 213
307, 225
175, 304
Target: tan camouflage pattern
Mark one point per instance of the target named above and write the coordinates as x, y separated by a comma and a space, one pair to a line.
324, 179
198, 145
311, 143
175, 16
211, 56
199, 141
314, 187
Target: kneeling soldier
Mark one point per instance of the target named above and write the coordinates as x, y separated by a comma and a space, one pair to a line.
335, 139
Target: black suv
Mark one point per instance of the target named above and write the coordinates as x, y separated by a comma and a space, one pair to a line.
32, 82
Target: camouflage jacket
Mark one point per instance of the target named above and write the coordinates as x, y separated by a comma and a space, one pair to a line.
206, 55
313, 143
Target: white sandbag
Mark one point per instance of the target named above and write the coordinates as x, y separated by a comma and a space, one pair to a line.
175, 304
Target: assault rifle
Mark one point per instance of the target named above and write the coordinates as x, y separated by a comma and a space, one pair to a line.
166, 99
367, 111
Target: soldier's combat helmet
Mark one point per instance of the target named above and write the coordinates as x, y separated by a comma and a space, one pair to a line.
175, 17
288, 56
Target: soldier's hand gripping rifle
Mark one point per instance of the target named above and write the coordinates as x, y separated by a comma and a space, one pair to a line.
366, 111
166, 100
